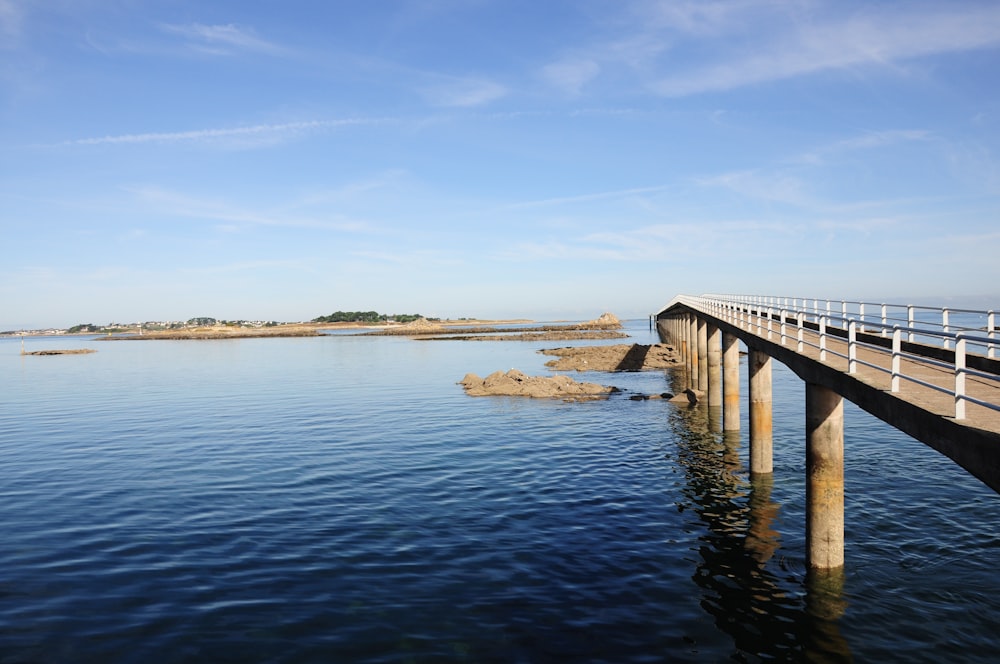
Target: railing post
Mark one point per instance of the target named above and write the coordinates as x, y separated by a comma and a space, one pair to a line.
770, 313
861, 316
960, 377
991, 332
852, 347
896, 346
882, 332
783, 325
800, 345
944, 328
822, 338
910, 320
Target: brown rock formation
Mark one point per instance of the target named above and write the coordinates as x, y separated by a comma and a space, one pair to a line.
516, 384
620, 357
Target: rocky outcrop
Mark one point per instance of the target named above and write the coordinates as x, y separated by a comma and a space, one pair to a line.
514, 383
606, 321
77, 351
619, 357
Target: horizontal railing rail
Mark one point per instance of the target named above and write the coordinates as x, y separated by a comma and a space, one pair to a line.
962, 342
884, 315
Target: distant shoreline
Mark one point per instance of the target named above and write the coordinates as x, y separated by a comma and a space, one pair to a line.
285, 330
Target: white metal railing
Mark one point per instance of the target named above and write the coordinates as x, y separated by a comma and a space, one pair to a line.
963, 332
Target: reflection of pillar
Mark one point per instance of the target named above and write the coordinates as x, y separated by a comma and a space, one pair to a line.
759, 365
762, 540
730, 382
702, 355
693, 350
824, 477
825, 604
714, 342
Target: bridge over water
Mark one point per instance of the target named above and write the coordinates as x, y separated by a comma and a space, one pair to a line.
933, 373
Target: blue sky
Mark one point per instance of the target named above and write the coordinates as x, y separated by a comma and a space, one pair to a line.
495, 158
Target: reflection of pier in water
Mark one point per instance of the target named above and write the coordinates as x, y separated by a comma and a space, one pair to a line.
784, 617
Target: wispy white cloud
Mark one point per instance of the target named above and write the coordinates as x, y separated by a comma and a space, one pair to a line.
864, 39
221, 39
586, 198
263, 133
705, 17
778, 187
570, 76
867, 141
729, 44
244, 266
681, 242
176, 204
10, 23
462, 92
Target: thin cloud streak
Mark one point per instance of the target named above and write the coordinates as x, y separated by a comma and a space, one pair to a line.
583, 198
10, 23
231, 132
864, 40
463, 93
184, 206
867, 141
220, 39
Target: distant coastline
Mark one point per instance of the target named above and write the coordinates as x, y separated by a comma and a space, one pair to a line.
287, 330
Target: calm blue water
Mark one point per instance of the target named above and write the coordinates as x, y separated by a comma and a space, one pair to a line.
341, 499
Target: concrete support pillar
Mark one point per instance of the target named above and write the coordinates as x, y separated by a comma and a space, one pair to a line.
824, 477
759, 366
702, 355
730, 382
693, 351
714, 338
685, 331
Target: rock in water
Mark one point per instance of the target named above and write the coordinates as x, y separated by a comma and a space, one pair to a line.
515, 383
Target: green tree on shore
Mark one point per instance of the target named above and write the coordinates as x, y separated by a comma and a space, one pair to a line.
365, 317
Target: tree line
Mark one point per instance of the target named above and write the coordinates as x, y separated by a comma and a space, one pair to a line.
365, 317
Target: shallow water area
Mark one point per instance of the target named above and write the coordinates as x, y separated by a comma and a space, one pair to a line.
339, 498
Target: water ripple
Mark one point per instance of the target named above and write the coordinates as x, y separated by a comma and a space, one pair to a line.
342, 500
